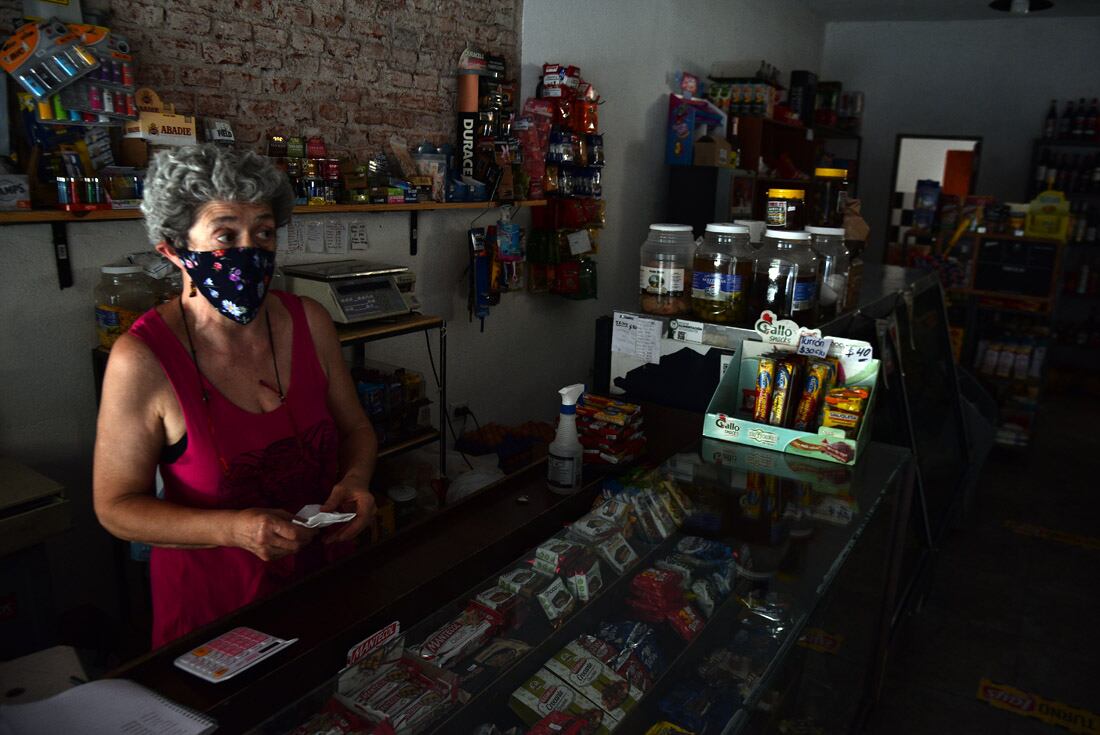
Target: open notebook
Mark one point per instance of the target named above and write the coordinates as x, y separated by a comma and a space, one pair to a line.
103, 707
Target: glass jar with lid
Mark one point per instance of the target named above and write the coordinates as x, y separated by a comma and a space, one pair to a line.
665, 270
786, 209
721, 274
785, 277
831, 196
122, 295
835, 262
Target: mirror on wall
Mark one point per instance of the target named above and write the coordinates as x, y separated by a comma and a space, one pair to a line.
949, 160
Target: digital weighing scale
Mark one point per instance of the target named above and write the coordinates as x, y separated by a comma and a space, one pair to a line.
355, 290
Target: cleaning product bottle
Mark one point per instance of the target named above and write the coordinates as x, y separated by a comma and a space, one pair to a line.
564, 465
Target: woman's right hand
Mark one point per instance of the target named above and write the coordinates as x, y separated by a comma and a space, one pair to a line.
268, 533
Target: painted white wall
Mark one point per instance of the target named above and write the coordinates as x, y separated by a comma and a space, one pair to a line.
628, 49
988, 78
531, 346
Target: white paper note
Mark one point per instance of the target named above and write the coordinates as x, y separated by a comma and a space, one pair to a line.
295, 242
315, 236
357, 236
636, 335
579, 242
336, 237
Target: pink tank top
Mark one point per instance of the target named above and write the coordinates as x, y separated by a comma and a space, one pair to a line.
284, 459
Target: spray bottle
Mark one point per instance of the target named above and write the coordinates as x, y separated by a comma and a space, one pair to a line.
564, 465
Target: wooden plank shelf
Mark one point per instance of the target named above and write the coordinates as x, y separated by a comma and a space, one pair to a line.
383, 328
36, 216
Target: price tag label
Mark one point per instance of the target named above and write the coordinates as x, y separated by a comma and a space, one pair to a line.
635, 335
579, 243
687, 331
814, 346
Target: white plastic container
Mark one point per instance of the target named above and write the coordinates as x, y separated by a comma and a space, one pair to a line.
664, 275
122, 295
828, 243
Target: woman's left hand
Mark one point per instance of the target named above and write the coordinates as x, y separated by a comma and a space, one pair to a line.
349, 496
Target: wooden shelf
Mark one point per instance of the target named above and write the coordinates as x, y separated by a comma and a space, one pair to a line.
383, 328
427, 436
1000, 295
33, 216
419, 207
1014, 238
103, 215
1068, 143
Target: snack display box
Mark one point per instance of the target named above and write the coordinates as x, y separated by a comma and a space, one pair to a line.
729, 419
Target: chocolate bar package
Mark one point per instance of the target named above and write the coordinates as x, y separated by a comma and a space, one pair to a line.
556, 602
585, 583
523, 580
616, 551
461, 636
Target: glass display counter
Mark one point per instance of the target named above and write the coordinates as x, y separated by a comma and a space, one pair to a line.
731, 589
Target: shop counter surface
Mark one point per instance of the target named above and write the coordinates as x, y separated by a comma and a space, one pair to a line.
818, 536
402, 578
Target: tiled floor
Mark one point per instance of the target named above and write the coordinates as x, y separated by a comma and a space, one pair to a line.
1018, 610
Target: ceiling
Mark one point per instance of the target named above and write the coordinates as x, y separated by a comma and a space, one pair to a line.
856, 10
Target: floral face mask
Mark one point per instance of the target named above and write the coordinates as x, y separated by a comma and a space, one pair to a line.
234, 280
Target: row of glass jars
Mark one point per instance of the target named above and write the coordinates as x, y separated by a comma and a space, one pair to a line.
799, 275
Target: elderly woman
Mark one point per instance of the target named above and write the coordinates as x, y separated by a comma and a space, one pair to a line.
243, 400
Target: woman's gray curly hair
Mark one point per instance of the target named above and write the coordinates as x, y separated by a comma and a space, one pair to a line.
181, 180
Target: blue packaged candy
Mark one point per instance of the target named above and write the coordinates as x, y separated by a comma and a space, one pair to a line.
632, 637
703, 549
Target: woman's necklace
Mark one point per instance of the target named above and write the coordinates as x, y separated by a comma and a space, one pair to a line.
206, 396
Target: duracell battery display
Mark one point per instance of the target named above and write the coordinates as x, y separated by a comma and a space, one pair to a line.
801, 393
485, 110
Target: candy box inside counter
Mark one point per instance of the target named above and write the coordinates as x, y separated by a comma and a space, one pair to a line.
595, 680
797, 392
545, 692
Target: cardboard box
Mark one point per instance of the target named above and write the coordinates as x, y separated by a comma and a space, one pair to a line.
727, 420
713, 150
685, 118
133, 152
580, 669
15, 192
544, 693
161, 128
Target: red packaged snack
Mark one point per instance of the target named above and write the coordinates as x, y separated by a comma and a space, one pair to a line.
562, 723
687, 622
658, 583
463, 635
636, 673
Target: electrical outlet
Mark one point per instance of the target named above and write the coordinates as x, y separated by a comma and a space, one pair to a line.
459, 410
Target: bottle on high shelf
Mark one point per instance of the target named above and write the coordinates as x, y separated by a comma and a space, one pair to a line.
1081, 223
1060, 174
1065, 122
1079, 116
1041, 170
1050, 122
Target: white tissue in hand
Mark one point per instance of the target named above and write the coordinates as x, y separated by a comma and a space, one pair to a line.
311, 516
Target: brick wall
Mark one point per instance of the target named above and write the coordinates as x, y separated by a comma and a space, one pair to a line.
353, 71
